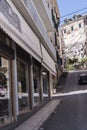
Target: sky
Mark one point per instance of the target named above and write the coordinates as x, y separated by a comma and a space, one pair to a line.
70, 6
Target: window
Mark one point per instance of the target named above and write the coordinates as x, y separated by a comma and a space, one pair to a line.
22, 86
5, 39
72, 28
45, 85
2, 38
80, 25
0, 62
5, 90
64, 30
36, 85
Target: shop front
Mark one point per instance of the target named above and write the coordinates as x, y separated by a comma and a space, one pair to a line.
5, 89
19, 93
6, 57
45, 80
23, 61
23, 97
36, 83
40, 84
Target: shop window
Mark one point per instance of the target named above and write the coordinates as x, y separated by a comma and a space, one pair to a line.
22, 86
36, 85
5, 97
0, 62
45, 85
5, 39
2, 37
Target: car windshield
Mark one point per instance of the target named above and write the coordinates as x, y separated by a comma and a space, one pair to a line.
84, 77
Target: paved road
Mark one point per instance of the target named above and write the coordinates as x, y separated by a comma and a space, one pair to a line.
71, 113
72, 82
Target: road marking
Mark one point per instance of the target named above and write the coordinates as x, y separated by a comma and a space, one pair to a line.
69, 93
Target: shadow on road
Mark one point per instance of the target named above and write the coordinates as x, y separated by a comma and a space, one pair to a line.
61, 82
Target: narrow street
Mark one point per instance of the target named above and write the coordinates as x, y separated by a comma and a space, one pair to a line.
43, 44
71, 113
72, 82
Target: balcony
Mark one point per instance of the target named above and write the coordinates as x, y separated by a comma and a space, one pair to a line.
29, 13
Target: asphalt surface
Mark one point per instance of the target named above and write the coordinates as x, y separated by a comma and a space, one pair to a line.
72, 82
71, 113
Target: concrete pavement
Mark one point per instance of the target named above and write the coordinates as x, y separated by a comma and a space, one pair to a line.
35, 121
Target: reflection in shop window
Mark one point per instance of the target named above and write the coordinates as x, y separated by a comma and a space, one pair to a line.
45, 85
5, 100
36, 85
22, 86
0, 62
5, 40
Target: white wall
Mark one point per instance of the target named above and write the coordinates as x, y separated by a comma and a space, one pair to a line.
26, 38
48, 60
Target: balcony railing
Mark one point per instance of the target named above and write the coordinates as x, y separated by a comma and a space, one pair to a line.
38, 22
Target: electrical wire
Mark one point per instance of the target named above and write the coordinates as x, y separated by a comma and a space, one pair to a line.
73, 12
80, 14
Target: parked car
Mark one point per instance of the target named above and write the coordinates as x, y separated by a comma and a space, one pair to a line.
3, 91
83, 79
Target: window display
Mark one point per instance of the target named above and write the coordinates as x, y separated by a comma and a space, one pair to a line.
23, 97
3, 84
45, 85
36, 85
5, 99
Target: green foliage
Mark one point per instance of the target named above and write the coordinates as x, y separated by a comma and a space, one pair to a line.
70, 67
72, 64
72, 61
83, 60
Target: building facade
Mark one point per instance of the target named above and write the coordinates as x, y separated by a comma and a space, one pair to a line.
74, 36
28, 58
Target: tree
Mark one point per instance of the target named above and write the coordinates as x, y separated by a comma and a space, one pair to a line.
70, 63
84, 60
